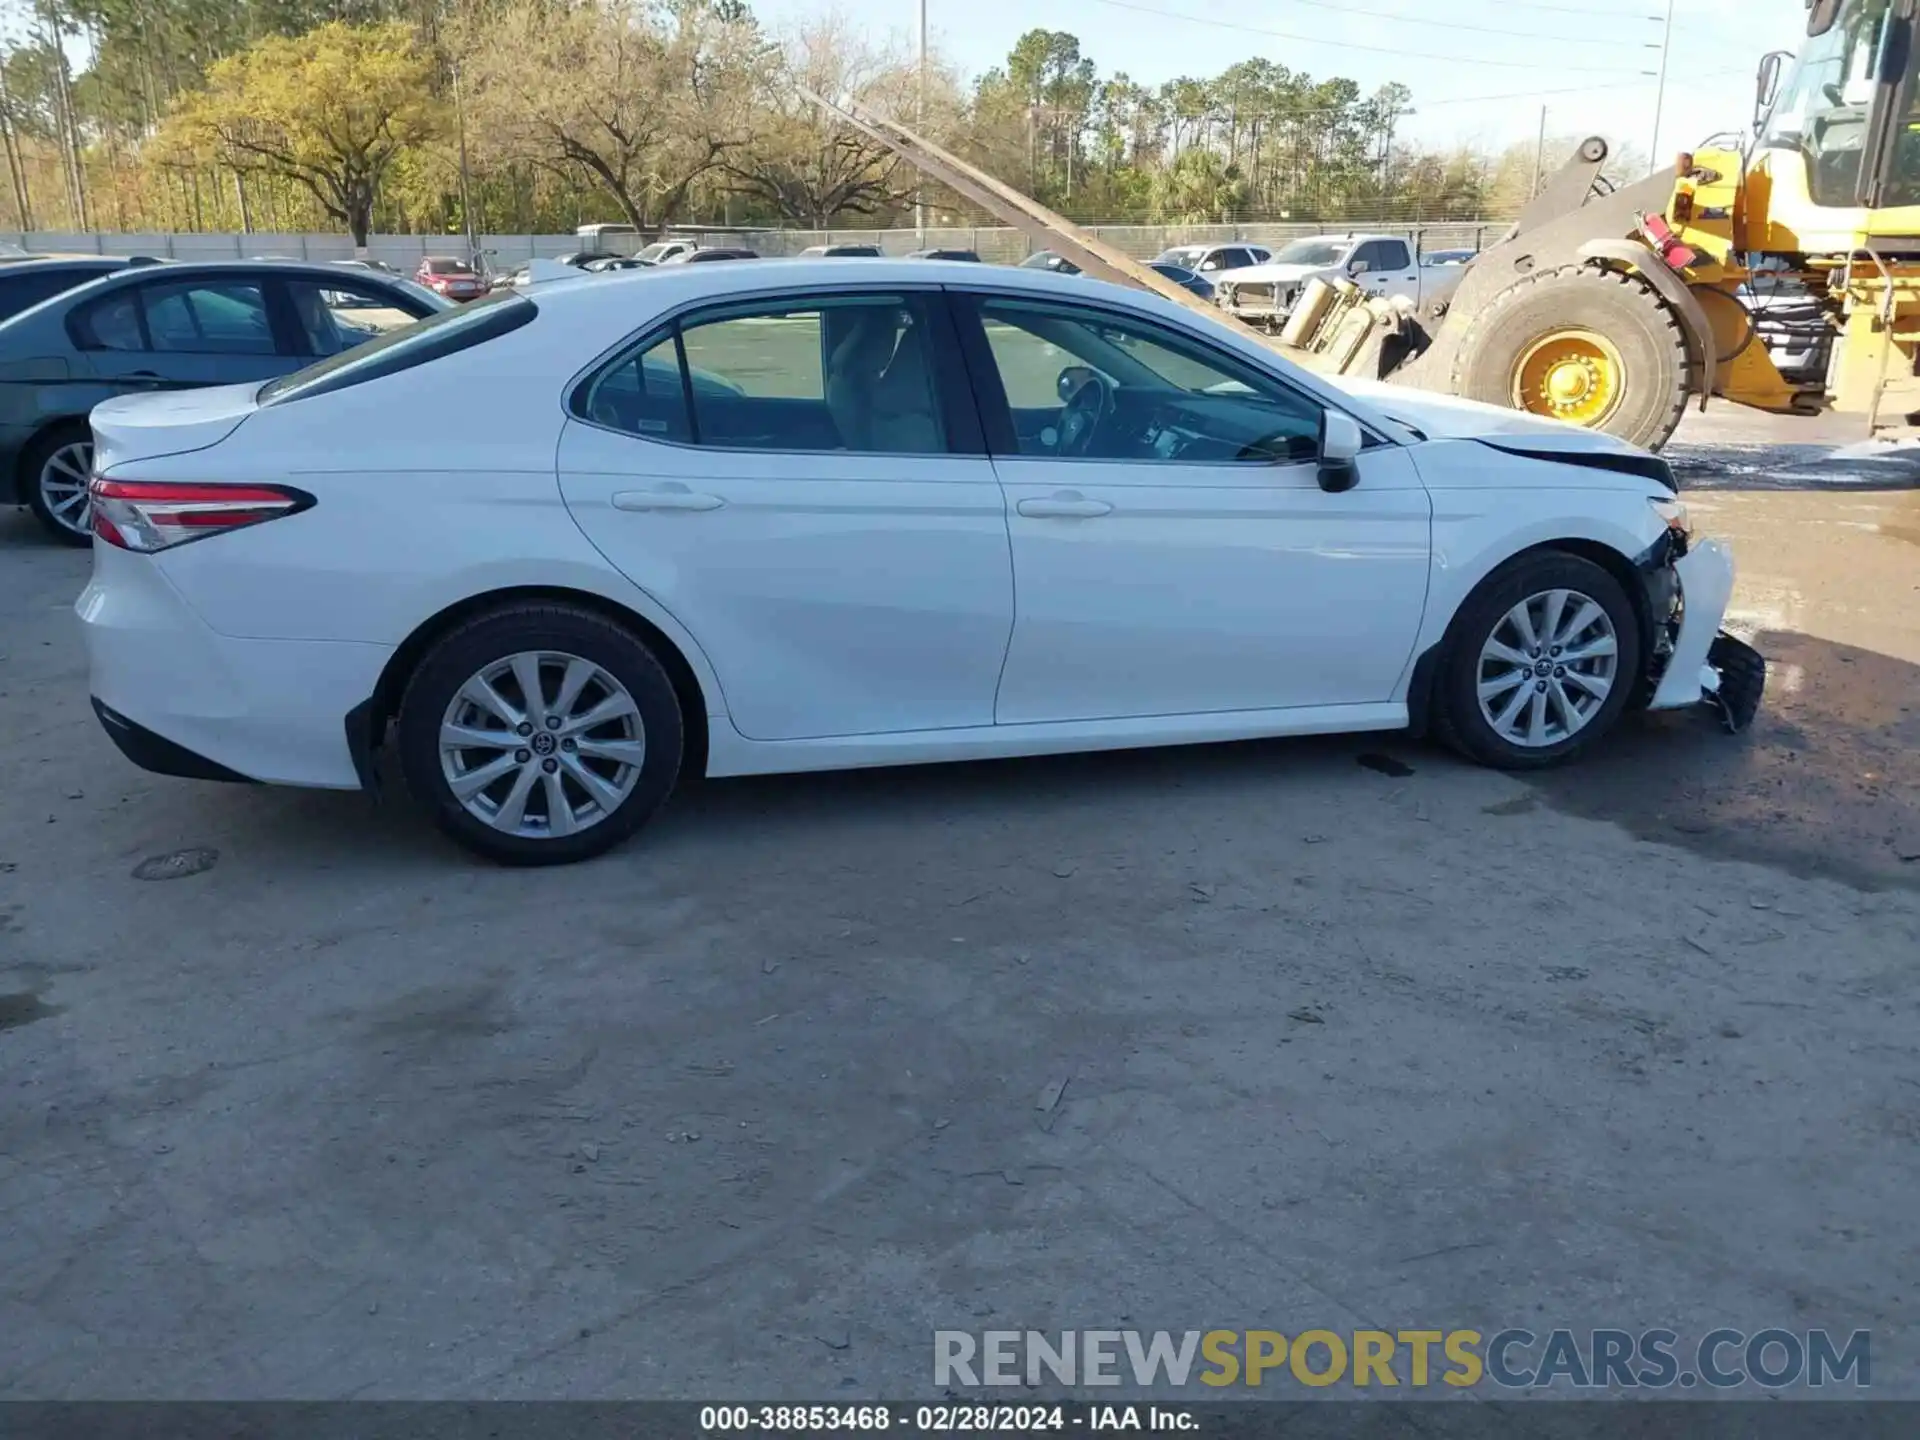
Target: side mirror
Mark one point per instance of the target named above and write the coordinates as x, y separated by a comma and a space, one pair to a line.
1340, 443
1766, 85
1358, 267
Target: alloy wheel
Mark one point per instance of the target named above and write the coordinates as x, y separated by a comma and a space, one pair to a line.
542, 745
63, 486
1547, 668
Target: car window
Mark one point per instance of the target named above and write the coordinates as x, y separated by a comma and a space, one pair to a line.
111, 323
641, 393
23, 292
852, 373
443, 333
208, 317
1392, 255
1163, 397
342, 314
838, 375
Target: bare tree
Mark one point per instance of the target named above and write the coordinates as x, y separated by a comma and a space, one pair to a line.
805, 163
646, 100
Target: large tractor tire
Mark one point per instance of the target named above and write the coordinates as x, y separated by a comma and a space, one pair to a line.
1596, 348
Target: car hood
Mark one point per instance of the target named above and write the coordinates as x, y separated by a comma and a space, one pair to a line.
1448, 417
141, 427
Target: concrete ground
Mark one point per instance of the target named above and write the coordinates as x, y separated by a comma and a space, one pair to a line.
1351, 1035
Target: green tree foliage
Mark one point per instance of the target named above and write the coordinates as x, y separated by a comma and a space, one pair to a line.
308, 114
332, 110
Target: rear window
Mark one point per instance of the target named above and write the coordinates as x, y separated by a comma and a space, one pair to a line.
23, 292
449, 267
444, 333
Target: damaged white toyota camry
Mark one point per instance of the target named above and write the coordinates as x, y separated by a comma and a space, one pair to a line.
559, 548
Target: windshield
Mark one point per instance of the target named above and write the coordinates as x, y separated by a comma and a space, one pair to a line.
439, 334
659, 248
1313, 252
1187, 257
1824, 104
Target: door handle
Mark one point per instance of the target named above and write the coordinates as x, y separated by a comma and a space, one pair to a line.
664, 499
1064, 506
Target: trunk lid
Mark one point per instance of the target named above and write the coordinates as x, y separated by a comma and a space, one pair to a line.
145, 427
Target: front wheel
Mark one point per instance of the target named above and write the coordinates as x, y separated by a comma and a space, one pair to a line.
540, 734
1539, 663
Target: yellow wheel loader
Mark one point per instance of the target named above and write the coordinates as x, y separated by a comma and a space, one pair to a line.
1782, 273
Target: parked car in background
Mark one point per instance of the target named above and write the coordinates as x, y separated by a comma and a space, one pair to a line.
661, 251
602, 264
1185, 279
713, 252
172, 326
580, 577
25, 283
452, 277
379, 266
866, 252
965, 256
1212, 261
1379, 264
1180, 275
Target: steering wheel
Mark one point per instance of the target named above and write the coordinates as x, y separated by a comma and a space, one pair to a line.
1081, 418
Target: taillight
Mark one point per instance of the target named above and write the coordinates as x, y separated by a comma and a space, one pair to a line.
153, 515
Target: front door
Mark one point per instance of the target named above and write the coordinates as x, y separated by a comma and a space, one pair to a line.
1173, 551
800, 484
1390, 269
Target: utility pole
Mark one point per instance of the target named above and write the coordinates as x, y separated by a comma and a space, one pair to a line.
1539, 155
466, 193
1660, 97
920, 124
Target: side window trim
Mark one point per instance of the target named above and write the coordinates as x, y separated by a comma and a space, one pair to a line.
960, 414
996, 411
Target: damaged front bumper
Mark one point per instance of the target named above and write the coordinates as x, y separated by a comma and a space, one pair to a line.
1696, 661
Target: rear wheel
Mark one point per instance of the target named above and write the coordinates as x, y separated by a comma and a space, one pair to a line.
540, 734
1539, 663
56, 468
1596, 348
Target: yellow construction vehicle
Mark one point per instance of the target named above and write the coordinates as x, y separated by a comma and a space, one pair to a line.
1613, 308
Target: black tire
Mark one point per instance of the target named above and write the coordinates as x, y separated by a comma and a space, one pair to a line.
1457, 718
1623, 308
33, 468
467, 651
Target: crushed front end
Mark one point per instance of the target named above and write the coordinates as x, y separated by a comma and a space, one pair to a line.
1694, 661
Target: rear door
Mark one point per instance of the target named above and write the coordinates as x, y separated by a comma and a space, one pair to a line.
800, 482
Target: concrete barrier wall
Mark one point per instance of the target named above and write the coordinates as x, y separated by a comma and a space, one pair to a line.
504, 252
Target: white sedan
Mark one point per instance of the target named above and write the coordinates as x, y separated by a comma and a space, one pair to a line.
560, 547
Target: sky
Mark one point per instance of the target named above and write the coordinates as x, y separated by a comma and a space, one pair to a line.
1480, 70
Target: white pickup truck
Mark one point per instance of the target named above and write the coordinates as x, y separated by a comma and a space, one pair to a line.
1378, 264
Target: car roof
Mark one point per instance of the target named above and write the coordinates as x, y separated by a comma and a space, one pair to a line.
34, 264
173, 271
